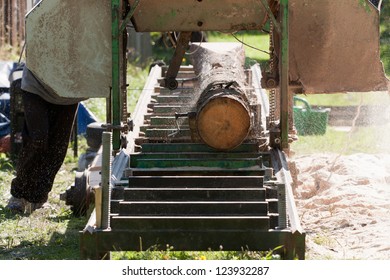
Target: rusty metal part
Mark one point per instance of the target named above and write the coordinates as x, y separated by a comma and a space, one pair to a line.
192, 15
170, 81
271, 7
336, 41
336, 47
129, 15
270, 76
79, 195
273, 106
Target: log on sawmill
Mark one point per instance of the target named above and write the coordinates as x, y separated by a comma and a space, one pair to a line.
223, 117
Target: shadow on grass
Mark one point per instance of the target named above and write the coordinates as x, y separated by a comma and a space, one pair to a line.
41, 236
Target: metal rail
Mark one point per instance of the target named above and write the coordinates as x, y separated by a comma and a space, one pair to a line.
116, 60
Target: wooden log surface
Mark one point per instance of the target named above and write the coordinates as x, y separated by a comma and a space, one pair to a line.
224, 122
223, 118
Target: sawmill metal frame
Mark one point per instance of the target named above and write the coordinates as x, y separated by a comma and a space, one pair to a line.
238, 233
99, 237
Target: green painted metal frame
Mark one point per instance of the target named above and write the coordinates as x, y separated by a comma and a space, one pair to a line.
115, 90
98, 244
284, 75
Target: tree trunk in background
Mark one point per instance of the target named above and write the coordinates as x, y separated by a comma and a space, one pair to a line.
1, 21
21, 14
12, 24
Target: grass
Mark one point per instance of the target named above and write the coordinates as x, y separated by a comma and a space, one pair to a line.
362, 139
256, 44
170, 254
9, 53
50, 233
385, 37
347, 99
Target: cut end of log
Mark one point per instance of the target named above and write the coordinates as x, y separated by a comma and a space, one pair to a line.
223, 123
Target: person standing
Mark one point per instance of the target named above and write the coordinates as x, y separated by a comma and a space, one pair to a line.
47, 128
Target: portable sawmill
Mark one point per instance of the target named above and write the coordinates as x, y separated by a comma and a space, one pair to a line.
201, 163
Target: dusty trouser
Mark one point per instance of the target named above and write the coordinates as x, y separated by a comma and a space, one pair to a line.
46, 134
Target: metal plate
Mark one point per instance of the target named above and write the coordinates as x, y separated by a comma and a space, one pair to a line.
334, 46
69, 46
196, 15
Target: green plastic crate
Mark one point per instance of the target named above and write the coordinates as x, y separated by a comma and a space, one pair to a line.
309, 121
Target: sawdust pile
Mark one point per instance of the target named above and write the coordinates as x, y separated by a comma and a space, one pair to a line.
344, 205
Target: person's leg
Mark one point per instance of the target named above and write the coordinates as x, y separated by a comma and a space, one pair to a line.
61, 118
35, 142
46, 138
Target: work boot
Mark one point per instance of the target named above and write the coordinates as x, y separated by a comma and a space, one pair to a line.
22, 206
17, 205
31, 207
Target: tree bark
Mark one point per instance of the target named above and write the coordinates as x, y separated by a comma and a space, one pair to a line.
12, 24
2, 5
21, 14
223, 118
8, 22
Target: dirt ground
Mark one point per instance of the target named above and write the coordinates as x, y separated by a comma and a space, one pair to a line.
344, 205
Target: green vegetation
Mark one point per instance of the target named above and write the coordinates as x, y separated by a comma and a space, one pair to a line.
9, 53
256, 44
49, 233
370, 139
169, 254
136, 77
385, 36
349, 99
